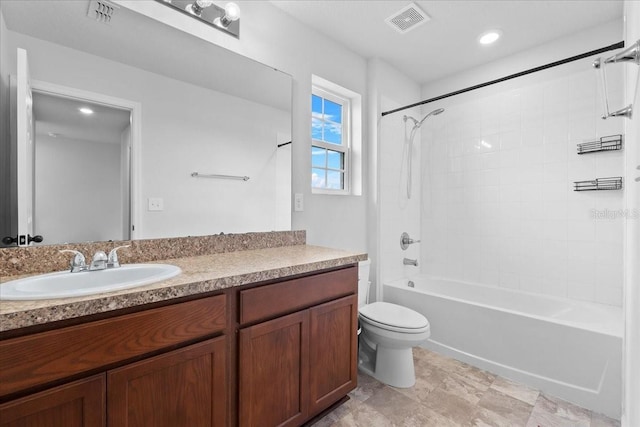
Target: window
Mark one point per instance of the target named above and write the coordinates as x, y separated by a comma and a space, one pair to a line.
330, 135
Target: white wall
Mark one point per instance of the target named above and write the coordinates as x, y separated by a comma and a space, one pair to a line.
502, 208
5, 137
270, 36
69, 174
185, 128
631, 408
395, 212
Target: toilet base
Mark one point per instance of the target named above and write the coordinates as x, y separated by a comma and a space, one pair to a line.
390, 366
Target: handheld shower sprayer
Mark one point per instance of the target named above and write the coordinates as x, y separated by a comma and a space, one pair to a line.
409, 144
405, 118
416, 123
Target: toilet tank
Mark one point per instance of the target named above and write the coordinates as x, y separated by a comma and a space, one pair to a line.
363, 281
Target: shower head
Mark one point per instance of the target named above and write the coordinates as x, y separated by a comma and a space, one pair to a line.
417, 124
433, 113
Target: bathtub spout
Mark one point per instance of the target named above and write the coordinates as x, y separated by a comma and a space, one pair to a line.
408, 261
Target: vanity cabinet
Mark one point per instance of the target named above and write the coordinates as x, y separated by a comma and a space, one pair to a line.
333, 352
272, 354
143, 376
185, 387
77, 404
296, 365
274, 371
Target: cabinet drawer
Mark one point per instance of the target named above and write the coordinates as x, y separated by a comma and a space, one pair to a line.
48, 356
273, 300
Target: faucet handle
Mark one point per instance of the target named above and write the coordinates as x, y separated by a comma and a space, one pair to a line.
112, 260
78, 262
405, 241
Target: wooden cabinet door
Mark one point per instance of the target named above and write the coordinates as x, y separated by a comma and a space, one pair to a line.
185, 387
274, 372
77, 404
333, 351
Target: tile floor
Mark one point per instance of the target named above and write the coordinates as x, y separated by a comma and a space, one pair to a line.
452, 393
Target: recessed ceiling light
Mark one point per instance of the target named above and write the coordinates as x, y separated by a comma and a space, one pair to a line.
85, 110
489, 37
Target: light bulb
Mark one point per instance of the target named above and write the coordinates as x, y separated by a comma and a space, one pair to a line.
232, 11
198, 6
204, 3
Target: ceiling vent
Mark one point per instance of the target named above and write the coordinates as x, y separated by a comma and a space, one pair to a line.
101, 11
408, 18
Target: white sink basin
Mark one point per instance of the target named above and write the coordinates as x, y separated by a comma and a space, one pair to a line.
65, 284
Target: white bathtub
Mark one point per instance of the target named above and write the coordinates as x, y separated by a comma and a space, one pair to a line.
567, 349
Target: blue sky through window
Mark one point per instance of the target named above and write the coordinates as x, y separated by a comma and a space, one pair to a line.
327, 165
318, 157
326, 122
335, 159
332, 111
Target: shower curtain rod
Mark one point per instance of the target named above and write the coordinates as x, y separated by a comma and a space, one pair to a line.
511, 76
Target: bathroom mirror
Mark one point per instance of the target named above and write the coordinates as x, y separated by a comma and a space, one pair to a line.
201, 120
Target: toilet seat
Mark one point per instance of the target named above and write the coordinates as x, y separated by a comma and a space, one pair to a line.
393, 317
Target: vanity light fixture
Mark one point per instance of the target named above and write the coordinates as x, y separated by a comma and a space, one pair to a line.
198, 6
86, 111
225, 19
231, 14
489, 37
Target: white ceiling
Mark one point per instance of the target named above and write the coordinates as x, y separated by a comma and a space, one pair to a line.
144, 43
447, 44
54, 114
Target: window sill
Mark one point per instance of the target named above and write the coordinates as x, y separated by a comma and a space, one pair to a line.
330, 192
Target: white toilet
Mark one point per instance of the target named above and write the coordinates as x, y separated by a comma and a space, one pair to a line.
389, 333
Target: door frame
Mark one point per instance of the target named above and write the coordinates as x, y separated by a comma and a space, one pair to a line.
53, 89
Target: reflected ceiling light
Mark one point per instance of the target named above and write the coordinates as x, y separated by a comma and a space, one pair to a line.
489, 37
226, 19
85, 110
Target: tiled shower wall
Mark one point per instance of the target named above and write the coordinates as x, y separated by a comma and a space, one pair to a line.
498, 205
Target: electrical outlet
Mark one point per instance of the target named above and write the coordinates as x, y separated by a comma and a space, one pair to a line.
155, 204
298, 202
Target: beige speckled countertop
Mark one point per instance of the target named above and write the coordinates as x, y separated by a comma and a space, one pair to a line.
200, 274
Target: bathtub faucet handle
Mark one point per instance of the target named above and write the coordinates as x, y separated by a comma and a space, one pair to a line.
405, 241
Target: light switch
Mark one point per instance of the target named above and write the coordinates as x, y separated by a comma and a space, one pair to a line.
298, 202
156, 204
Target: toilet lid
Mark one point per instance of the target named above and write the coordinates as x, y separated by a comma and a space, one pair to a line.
394, 315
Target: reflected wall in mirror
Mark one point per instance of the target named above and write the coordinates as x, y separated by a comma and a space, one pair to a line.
202, 109
77, 138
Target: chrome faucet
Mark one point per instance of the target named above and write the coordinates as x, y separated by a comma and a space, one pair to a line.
100, 260
405, 241
408, 261
112, 259
78, 262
